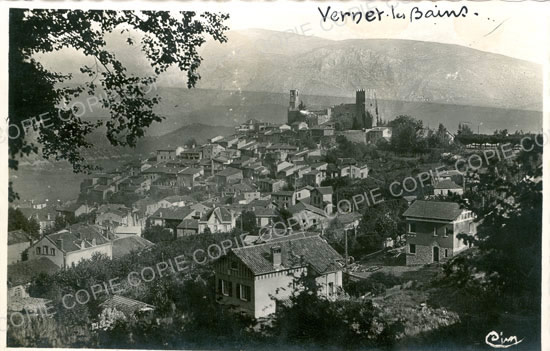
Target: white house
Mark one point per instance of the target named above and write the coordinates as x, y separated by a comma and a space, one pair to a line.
217, 220
248, 277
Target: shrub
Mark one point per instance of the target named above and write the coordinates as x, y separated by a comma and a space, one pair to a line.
375, 284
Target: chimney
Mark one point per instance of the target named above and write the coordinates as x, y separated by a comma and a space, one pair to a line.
276, 256
59, 243
93, 242
160, 214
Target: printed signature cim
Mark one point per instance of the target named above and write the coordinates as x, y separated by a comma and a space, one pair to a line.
496, 340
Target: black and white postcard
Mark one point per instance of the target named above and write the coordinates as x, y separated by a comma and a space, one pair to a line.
274, 175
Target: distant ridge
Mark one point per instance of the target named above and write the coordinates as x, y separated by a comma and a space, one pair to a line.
404, 70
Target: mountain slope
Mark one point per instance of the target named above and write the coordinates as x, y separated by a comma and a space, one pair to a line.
251, 74
228, 108
259, 60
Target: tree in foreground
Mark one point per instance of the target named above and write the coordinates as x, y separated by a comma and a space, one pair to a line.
309, 319
38, 98
506, 267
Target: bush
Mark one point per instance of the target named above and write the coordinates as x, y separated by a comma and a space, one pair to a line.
375, 284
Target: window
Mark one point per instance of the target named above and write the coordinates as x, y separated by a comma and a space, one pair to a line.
234, 265
244, 292
331, 288
38, 251
446, 252
44, 250
449, 230
435, 230
412, 248
52, 252
226, 287
412, 227
471, 228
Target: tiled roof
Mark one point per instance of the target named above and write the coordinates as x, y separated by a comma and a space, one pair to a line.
256, 203
302, 206
447, 184
178, 198
112, 207
32, 305
295, 253
313, 172
265, 212
283, 193
229, 171
17, 237
433, 210
146, 201
78, 236
40, 214
102, 187
70, 207
244, 187
123, 246
161, 169
23, 272
322, 126
271, 181
173, 213
221, 213
126, 305
282, 146
190, 170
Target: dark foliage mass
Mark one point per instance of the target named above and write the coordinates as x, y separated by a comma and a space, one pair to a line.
18, 221
508, 203
38, 98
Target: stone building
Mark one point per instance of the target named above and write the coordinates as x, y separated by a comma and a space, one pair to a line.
362, 114
433, 228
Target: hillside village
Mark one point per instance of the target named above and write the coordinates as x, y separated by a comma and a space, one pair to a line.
290, 198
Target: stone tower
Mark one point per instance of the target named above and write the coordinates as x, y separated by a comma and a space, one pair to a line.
366, 109
293, 113
294, 100
371, 105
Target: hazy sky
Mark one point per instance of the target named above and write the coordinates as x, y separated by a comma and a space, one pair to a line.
517, 29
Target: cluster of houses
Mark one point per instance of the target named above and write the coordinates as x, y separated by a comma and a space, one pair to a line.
206, 188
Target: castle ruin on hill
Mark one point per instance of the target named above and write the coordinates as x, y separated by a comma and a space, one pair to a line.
363, 114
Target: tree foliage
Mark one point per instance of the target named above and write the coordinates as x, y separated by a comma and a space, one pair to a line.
464, 129
156, 234
507, 200
247, 221
17, 220
310, 319
381, 221
38, 98
406, 134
